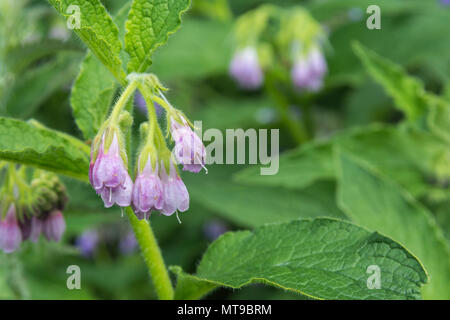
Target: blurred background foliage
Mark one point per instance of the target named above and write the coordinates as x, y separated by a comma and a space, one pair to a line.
39, 60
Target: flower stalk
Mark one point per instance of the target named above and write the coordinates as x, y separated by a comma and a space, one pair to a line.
152, 256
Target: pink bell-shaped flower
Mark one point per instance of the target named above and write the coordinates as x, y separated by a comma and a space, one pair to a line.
147, 191
175, 194
109, 176
10, 234
189, 149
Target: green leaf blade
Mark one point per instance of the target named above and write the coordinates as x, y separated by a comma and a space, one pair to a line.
98, 32
408, 93
321, 258
149, 25
35, 145
374, 202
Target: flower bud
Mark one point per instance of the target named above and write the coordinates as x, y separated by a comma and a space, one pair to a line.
175, 194
10, 234
147, 190
54, 226
245, 68
189, 149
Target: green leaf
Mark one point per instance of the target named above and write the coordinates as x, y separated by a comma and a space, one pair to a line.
320, 258
374, 202
408, 93
34, 145
257, 205
149, 25
91, 96
98, 32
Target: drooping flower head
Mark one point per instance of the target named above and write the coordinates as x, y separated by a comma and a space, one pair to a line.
308, 71
147, 190
10, 233
189, 149
175, 194
108, 171
245, 68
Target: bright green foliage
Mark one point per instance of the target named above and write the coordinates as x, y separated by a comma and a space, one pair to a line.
392, 151
40, 147
92, 94
439, 118
321, 258
150, 22
375, 202
408, 93
98, 32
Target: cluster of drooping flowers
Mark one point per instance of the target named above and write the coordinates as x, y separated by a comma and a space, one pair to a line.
297, 44
309, 69
157, 185
30, 209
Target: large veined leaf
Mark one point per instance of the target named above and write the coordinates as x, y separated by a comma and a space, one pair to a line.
374, 202
150, 22
98, 31
35, 145
321, 258
257, 205
92, 94
408, 93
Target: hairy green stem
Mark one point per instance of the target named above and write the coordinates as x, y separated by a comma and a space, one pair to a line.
121, 103
152, 118
152, 256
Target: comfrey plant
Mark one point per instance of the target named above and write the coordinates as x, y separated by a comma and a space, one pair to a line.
323, 258
158, 186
